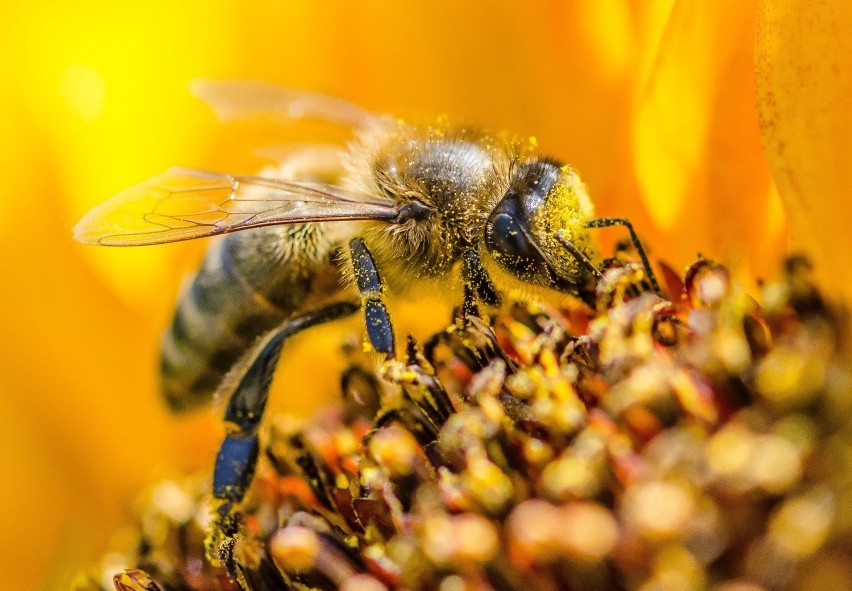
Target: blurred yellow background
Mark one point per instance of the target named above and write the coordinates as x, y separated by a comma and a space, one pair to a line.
653, 101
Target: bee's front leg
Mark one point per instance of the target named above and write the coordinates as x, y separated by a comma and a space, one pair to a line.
371, 288
637, 244
478, 286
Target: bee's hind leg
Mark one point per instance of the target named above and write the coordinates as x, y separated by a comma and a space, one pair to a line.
371, 288
237, 456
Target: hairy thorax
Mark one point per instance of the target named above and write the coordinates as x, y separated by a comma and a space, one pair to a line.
456, 176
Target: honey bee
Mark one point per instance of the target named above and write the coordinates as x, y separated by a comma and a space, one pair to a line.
449, 209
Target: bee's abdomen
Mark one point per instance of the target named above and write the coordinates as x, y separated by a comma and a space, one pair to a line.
246, 286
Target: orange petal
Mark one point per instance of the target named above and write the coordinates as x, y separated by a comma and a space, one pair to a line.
804, 77
698, 156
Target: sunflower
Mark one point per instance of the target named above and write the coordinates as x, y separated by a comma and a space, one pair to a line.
671, 113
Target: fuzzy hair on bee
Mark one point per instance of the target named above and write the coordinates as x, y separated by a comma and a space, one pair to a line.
443, 177
454, 210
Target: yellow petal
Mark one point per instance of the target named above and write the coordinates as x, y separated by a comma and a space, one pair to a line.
698, 156
804, 79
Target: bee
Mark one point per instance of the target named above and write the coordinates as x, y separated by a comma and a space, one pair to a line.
454, 210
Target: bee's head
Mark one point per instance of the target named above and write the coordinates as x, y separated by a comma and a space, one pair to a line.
543, 197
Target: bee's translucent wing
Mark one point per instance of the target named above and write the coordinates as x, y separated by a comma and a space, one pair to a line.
183, 204
243, 99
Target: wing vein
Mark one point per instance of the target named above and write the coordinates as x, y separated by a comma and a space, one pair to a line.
181, 204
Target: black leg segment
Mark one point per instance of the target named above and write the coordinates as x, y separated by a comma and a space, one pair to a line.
379, 326
235, 465
237, 457
366, 273
475, 275
246, 405
607, 222
469, 306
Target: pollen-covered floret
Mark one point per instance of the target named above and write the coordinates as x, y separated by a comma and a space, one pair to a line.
696, 442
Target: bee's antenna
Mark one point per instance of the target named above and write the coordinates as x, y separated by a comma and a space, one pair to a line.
579, 256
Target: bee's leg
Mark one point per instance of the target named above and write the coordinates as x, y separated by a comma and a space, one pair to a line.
237, 457
379, 327
607, 222
477, 285
474, 274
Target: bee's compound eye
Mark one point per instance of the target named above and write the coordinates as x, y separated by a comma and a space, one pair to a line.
507, 238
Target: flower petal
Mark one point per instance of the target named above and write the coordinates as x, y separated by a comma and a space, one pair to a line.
804, 77
699, 161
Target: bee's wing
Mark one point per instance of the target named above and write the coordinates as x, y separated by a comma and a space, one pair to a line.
182, 204
244, 99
